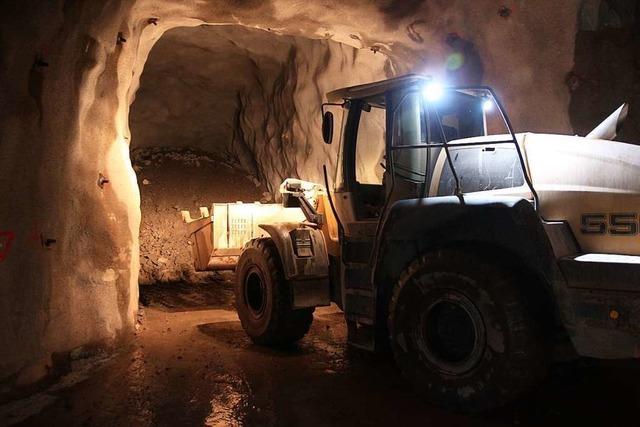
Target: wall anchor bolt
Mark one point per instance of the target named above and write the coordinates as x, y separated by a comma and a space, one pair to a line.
504, 12
46, 242
40, 62
102, 180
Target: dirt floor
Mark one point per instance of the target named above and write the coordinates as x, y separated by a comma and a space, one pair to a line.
192, 365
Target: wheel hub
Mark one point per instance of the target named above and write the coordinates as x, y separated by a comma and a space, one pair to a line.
452, 334
255, 293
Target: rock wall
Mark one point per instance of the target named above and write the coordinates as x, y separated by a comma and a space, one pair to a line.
68, 73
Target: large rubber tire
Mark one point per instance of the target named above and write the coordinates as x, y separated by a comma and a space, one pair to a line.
263, 297
462, 333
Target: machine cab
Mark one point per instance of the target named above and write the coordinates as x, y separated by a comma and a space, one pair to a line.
409, 138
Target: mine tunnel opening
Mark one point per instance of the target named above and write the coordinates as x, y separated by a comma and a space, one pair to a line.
71, 223
224, 114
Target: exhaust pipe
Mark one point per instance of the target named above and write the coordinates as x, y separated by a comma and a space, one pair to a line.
610, 126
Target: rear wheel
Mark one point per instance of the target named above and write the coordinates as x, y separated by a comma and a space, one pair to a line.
462, 333
263, 297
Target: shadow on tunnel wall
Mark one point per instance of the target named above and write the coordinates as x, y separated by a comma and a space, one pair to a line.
607, 66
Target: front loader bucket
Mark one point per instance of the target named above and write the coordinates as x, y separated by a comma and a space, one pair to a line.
200, 231
217, 240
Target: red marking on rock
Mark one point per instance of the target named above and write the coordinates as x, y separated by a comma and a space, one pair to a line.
6, 238
35, 235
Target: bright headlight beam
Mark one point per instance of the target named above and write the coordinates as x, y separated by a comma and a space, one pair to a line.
487, 105
433, 92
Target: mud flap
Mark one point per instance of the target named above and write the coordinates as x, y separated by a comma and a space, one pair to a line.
305, 262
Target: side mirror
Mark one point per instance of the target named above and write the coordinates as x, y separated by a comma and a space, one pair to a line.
327, 127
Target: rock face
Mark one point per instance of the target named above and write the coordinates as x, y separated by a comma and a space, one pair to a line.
248, 96
69, 71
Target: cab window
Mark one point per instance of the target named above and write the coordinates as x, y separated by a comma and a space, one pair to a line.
409, 131
370, 145
482, 168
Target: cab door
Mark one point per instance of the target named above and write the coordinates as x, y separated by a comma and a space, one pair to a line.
359, 199
411, 160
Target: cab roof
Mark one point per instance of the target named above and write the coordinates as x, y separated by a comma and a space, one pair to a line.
375, 88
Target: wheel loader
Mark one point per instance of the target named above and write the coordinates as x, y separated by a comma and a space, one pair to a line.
476, 255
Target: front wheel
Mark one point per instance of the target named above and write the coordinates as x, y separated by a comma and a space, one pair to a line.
263, 297
462, 333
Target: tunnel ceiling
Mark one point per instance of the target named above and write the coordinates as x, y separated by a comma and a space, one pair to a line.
192, 81
246, 95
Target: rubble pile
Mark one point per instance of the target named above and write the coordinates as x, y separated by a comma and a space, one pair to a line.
172, 180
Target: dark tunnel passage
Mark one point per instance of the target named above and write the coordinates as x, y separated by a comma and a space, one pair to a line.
224, 114
607, 66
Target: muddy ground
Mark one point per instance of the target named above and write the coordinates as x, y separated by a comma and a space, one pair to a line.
192, 365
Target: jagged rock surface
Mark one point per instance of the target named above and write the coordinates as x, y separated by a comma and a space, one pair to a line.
247, 95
